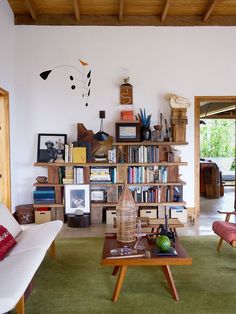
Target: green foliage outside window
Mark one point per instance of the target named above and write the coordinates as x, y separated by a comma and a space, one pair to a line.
217, 138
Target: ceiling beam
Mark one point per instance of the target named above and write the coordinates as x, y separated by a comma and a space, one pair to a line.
30, 8
165, 11
112, 20
208, 12
213, 108
121, 10
76, 10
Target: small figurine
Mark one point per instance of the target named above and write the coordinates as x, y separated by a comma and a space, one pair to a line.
51, 151
60, 146
177, 101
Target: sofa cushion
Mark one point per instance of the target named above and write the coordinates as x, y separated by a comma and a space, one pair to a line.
16, 272
37, 236
6, 241
8, 221
226, 230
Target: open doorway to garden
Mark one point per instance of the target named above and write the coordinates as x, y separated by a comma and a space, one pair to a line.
214, 155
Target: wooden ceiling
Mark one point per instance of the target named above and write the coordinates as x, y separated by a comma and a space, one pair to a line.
125, 12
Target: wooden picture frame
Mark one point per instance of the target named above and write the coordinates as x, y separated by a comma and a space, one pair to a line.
128, 132
46, 153
98, 195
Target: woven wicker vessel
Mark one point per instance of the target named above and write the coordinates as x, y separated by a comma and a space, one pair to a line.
126, 217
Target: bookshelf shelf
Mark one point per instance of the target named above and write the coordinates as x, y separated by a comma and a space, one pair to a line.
48, 205
107, 164
143, 204
148, 143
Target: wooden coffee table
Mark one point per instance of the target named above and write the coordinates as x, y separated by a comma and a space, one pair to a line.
121, 265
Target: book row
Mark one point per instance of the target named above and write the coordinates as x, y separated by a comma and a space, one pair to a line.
147, 174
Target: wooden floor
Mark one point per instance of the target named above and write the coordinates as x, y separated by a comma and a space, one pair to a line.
202, 225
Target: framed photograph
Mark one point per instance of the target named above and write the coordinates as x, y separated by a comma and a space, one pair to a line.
77, 197
98, 195
128, 132
50, 146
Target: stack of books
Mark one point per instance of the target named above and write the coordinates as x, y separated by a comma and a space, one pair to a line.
69, 176
100, 158
44, 195
103, 175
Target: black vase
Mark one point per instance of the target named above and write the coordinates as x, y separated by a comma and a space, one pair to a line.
145, 133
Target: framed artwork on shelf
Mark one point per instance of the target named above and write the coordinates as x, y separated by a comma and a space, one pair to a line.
98, 196
50, 147
128, 132
77, 197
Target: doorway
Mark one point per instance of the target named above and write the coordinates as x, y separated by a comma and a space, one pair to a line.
5, 181
200, 102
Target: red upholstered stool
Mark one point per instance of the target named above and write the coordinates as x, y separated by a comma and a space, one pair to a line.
225, 230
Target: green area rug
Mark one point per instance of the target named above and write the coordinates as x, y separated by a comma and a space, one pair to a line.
76, 282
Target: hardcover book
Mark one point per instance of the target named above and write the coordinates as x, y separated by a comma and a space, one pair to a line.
79, 154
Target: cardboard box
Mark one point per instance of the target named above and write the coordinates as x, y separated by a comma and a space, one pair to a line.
180, 213
110, 215
148, 212
42, 216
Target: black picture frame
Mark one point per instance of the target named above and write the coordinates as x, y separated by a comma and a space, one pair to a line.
127, 132
46, 153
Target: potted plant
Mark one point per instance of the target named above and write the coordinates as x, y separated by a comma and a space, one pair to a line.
145, 121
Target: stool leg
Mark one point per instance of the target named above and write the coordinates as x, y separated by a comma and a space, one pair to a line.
219, 244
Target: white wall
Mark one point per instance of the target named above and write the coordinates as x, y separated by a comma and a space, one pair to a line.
187, 61
6, 46
7, 72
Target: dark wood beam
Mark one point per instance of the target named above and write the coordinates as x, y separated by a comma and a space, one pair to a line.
121, 10
165, 11
208, 12
30, 8
76, 10
108, 20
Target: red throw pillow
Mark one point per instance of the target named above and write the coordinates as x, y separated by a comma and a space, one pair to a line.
6, 241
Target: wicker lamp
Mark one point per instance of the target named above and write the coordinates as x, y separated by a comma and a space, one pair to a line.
126, 217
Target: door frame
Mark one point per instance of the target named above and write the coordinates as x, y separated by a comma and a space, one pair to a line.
5, 159
197, 100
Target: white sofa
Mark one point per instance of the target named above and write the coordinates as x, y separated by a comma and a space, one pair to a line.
19, 266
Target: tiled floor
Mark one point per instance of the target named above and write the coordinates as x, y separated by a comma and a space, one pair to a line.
202, 225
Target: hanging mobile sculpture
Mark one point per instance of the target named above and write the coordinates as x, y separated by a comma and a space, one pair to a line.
82, 81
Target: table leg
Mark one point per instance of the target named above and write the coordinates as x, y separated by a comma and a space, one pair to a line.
168, 275
119, 282
115, 270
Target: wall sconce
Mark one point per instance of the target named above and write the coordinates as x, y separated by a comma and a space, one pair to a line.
101, 135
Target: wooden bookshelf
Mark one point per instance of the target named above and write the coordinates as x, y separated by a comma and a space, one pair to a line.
172, 169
